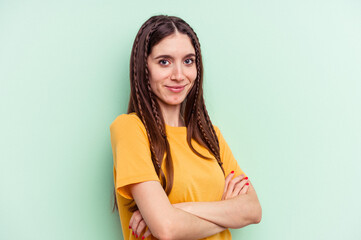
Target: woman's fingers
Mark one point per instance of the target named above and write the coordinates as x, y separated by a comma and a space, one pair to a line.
131, 221
146, 234
134, 222
231, 185
239, 187
138, 225
140, 228
227, 180
244, 189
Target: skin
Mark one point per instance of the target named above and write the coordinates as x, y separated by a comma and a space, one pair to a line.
172, 63
234, 186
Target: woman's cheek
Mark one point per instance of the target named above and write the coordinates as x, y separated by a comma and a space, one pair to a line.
194, 74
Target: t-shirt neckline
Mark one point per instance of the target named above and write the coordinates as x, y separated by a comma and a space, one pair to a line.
175, 129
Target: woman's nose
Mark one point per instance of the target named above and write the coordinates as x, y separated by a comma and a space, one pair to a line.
177, 73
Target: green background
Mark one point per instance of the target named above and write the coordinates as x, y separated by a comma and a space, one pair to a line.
282, 82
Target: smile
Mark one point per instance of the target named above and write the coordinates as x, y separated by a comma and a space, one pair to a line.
176, 89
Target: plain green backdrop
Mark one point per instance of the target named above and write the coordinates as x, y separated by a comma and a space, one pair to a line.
282, 82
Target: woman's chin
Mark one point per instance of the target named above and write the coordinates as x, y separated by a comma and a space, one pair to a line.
172, 103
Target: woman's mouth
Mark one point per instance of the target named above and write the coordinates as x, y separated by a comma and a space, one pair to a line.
175, 89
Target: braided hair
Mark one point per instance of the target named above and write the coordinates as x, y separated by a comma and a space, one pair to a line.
143, 100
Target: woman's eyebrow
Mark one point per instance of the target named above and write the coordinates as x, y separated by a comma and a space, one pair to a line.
169, 56
190, 55
163, 56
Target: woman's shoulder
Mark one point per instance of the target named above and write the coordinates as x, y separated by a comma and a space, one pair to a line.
219, 135
216, 129
127, 121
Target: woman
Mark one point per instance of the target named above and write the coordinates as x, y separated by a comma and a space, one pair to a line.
175, 176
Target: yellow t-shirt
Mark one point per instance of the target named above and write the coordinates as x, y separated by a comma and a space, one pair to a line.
195, 179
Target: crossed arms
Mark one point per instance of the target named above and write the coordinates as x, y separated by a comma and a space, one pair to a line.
239, 207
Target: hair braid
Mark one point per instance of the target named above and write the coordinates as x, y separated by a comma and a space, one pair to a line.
155, 109
138, 106
146, 127
198, 79
136, 85
214, 151
154, 106
135, 52
207, 119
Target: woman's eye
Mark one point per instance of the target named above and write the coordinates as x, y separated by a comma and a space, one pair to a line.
188, 61
164, 62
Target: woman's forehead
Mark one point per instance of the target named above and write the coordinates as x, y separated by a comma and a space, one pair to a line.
174, 44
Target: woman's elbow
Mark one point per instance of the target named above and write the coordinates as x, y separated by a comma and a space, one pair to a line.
257, 214
164, 237
163, 231
252, 216
162, 234
170, 231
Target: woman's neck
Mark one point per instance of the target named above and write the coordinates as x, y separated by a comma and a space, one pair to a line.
171, 115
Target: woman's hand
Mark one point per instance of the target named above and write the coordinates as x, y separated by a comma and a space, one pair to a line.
233, 187
236, 186
138, 225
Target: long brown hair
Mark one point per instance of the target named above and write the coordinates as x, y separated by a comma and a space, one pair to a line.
143, 101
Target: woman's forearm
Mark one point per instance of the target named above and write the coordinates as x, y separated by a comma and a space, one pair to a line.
164, 220
190, 226
236, 212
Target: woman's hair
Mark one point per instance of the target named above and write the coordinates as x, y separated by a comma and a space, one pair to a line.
143, 101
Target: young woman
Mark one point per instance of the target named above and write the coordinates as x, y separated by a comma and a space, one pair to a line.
174, 174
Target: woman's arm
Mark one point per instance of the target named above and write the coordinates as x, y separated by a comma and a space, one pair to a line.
166, 221
235, 212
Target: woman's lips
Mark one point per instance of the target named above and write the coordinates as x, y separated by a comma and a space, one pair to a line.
175, 89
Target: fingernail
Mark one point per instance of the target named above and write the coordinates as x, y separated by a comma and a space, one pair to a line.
136, 235
246, 178
130, 227
133, 232
232, 172
143, 237
247, 183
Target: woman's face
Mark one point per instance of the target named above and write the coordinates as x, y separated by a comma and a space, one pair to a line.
172, 69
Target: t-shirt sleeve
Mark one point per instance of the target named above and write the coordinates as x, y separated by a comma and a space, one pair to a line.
229, 162
131, 154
